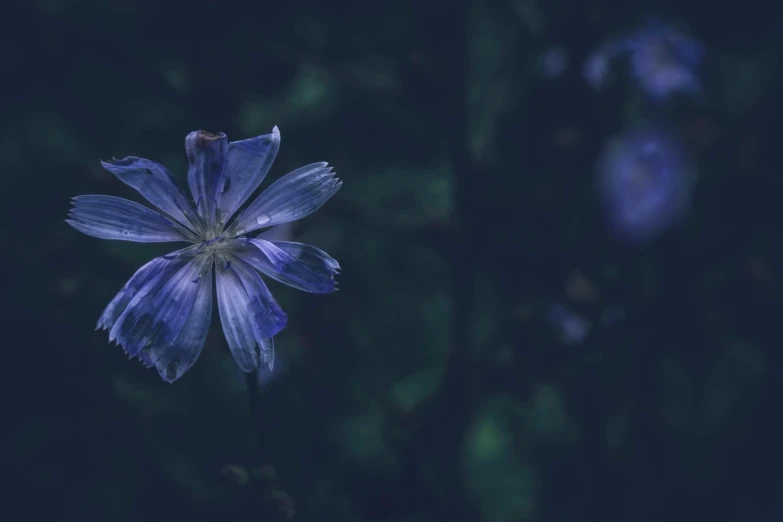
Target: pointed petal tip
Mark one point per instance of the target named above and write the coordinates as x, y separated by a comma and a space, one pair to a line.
101, 325
165, 376
276, 132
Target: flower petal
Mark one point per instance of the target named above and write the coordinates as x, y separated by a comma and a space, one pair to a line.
206, 153
248, 312
269, 354
294, 196
154, 182
109, 217
174, 359
297, 265
247, 164
143, 275
157, 313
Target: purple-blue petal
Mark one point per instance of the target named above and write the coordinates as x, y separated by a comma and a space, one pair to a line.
143, 275
109, 217
247, 164
248, 314
644, 179
156, 184
157, 313
206, 154
598, 62
300, 266
292, 197
172, 360
664, 60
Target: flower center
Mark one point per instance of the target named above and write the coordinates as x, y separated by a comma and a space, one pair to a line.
211, 246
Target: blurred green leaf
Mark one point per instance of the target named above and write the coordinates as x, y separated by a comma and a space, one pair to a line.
40, 140
730, 377
413, 282
745, 353
493, 85
312, 31
498, 472
256, 115
410, 391
375, 73
617, 428
238, 474
361, 437
677, 409
176, 73
546, 416
310, 97
744, 79
530, 14
405, 196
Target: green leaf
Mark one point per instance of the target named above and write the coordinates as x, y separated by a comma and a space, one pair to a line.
546, 416
744, 78
256, 116
310, 98
410, 391
499, 473
405, 196
361, 437
176, 73
493, 86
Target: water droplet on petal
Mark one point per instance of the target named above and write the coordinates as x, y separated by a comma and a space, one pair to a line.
263, 219
126, 232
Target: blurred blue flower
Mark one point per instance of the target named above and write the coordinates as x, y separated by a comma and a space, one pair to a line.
644, 179
596, 67
553, 61
573, 328
663, 60
163, 312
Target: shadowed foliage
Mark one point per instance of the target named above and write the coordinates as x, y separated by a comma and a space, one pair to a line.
496, 352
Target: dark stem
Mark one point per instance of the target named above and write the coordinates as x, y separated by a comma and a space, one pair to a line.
443, 420
254, 410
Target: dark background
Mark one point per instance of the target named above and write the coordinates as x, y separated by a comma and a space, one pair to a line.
432, 386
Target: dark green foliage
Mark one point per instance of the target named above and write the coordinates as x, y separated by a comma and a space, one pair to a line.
432, 386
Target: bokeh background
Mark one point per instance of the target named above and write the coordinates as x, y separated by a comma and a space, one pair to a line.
494, 352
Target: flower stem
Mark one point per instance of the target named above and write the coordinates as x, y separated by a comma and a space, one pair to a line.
254, 411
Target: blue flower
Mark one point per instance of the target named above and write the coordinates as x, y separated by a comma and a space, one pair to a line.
645, 181
664, 61
573, 328
163, 312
